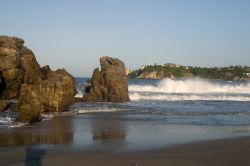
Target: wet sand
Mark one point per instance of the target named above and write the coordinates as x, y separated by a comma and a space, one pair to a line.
207, 153
66, 141
228, 152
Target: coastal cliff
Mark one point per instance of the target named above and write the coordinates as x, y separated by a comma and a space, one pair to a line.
231, 73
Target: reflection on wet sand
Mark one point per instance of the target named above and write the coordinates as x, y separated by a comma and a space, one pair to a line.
108, 129
56, 131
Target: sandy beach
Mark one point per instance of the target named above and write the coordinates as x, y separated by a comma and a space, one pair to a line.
216, 152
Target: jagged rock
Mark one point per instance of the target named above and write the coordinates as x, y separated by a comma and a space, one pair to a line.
31, 68
38, 89
57, 91
18, 65
3, 105
29, 105
45, 72
109, 84
50, 95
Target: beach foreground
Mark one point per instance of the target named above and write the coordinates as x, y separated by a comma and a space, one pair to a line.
217, 152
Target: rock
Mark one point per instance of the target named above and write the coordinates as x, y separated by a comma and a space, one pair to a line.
37, 89
29, 105
51, 95
31, 68
2, 84
152, 75
57, 91
18, 65
3, 105
45, 71
109, 84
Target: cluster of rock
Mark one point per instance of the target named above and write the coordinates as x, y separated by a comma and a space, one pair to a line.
37, 89
110, 84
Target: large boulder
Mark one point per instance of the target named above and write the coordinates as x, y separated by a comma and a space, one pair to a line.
18, 65
37, 89
109, 84
50, 95
57, 91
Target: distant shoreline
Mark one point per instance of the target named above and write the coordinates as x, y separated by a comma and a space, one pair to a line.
173, 71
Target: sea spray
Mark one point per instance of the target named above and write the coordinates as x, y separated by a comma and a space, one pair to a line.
195, 85
191, 89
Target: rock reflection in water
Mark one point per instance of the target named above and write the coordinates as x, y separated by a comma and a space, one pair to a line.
56, 131
108, 129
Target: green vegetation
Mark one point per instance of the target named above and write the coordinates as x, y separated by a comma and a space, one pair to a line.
177, 71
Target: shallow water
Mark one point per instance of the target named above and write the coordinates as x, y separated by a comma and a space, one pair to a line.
144, 123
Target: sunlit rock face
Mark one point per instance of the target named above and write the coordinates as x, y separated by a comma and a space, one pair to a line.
37, 89
110, 84
18, 65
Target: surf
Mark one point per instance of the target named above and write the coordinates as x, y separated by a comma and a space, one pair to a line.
191, 89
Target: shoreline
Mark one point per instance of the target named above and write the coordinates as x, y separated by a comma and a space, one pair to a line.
220, 152
230, 151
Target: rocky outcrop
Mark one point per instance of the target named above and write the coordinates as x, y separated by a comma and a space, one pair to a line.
152, 75
3, 105
29, 105
18, 65
57, 91
50, 95
37, 89
109, 84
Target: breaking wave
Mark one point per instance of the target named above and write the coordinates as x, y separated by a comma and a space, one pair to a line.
191, 89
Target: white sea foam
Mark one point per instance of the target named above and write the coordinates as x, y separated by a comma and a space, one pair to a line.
192, 86
191, 89
8, 122
174, 97
84, 111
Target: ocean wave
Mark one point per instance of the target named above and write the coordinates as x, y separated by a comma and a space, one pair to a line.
192, 86
191, 97
191, 89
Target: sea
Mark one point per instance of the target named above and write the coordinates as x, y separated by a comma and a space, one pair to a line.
160, 113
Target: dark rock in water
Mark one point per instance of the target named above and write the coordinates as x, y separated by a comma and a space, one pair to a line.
109, 84
2, 84
38, 89
18, 65
3, 105
29, 105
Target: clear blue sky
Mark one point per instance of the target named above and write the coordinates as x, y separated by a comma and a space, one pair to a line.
75, 33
